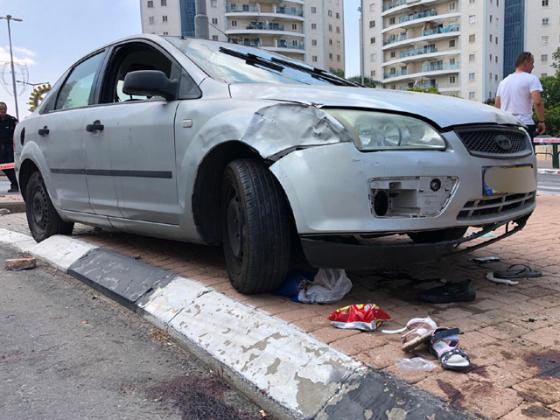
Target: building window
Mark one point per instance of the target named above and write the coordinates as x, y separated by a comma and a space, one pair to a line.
214, 3
151, 20
314, 58
329, 13
452, 80
496, 40
496, 59
164, 3
491, 57
164, 18
214, 37
294, 26
544, 40
314, 42
392, 21
545, 21
545, 3
472, 95
472, 1
165, 33
471, 58
452, 61
544, 58
330, 41
372, 73
372, 23
150, 3
472, 38
490, 18
372, 40
338, 58
393, 54
337, 15
338, 29
313, 10
330, 28
234, 24
214, 21
330, 56
452, 6
491, 38
313, 26
496, 77
472, 19
451, 43
490, 76
472, 76
372, 7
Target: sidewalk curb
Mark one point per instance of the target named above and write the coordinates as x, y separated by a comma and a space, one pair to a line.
13, 206
549, 171
282, 368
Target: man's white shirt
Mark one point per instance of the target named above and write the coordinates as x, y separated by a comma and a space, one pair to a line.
515, 94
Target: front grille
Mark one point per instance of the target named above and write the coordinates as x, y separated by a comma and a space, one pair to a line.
491, 206
495, 141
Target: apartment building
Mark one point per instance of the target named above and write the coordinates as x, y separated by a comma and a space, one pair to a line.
453, 45
308, 30
542, 33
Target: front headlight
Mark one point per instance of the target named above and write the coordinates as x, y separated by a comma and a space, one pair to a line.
382, 131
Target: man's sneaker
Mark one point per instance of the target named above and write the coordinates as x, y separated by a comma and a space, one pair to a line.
13, 189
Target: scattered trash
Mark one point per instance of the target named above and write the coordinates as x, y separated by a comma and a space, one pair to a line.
418, 331
444, 344
3, 212
461, 291
328, 286
491, 277
489, 235
485, 260
416, 363
365, 317
325, 286
18, 264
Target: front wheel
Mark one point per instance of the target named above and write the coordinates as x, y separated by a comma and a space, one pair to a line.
256, 227
42, 218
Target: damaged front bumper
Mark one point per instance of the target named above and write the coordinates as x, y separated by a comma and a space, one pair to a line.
337, 252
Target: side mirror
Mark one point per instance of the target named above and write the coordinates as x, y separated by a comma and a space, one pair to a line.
150, 83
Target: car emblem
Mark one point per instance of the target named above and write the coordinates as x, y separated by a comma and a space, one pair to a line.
503, 142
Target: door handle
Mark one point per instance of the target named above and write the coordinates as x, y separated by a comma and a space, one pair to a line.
43, 131
96, 126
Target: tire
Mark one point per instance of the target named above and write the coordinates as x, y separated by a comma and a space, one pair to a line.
256, 227
432, 236
42, 218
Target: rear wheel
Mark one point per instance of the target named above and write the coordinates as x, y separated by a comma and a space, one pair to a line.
42, 218
256, 227
431, 236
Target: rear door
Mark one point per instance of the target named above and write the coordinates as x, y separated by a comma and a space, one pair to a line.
59, 132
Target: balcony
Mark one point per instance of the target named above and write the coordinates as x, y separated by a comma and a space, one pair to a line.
395, 38
419, 15
257, 9
427, 70
395, 41
442, 29
393, 4
418, 51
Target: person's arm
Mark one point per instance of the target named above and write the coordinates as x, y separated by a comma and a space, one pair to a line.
498, 102
539, 110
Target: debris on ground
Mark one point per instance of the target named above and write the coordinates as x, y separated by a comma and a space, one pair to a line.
365, 317
324, 286
3, 212
485, 260
416, 332
512, 274
18, 264
450, 292
416, 363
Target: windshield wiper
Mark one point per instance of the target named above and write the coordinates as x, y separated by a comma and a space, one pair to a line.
252, 59
316, 73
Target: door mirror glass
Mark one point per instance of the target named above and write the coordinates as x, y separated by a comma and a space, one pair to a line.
150, 83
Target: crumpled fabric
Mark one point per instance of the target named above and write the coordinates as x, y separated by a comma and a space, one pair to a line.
328, 286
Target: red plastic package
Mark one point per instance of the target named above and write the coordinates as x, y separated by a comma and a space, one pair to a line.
362, 316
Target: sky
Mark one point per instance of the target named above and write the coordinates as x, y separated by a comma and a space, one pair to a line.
54, 34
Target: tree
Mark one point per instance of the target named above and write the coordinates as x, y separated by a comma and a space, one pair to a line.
551, 97
556, 60
337, 72
431, 89
370, 83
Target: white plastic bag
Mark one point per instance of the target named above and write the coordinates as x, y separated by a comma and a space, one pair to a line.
329, 286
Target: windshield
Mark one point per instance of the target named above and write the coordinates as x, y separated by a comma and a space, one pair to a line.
234, 63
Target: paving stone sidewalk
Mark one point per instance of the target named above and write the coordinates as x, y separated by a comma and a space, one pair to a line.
512, 333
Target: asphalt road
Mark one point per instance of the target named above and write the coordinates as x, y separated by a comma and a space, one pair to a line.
549, 184
68, 353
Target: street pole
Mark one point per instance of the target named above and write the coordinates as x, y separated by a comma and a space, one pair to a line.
362, 41
8, 19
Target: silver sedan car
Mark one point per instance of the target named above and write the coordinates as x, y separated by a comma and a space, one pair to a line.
278, 162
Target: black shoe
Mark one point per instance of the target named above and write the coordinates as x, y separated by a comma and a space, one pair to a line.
449, 292
13, 189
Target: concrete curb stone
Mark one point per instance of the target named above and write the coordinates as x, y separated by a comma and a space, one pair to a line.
285, 370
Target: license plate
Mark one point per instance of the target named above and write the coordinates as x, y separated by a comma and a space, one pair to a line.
508, 180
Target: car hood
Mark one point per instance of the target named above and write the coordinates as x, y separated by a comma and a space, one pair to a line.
443, 111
